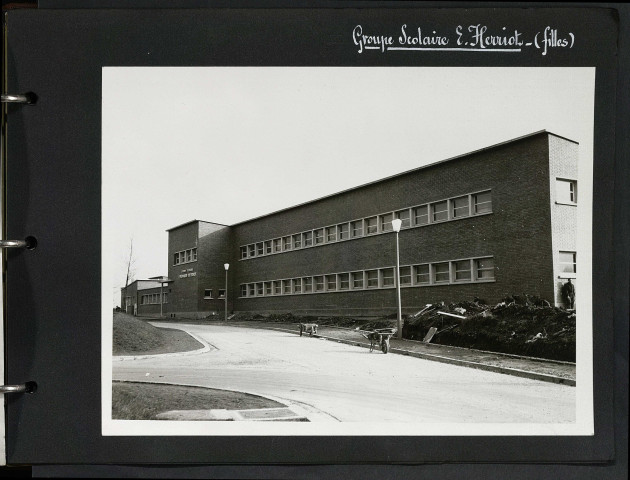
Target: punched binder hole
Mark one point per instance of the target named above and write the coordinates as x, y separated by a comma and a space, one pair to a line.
31, 242
31, 387
31, 97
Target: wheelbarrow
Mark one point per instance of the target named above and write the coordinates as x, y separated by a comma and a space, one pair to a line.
310, 328
380, 337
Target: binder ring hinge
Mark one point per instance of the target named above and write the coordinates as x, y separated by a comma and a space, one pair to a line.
29, 243
13, 243
19, 98
13, 388
28, 387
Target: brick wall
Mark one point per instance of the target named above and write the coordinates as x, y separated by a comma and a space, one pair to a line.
517, 234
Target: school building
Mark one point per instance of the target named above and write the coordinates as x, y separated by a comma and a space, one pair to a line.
494, 222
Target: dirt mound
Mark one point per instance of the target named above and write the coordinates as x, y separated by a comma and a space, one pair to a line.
520, 325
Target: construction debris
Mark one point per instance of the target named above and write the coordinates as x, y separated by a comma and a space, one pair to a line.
519, 324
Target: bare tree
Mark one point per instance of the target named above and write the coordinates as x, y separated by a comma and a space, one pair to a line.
131, 263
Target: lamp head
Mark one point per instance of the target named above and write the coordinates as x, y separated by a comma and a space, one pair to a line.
227, 266
396, 224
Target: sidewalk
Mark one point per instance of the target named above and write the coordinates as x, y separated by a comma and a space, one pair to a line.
527, 367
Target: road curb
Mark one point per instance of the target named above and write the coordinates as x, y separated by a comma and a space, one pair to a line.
453, 361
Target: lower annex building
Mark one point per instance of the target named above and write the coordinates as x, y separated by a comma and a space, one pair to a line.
494, 222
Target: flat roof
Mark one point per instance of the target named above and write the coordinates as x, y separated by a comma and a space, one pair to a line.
194, 221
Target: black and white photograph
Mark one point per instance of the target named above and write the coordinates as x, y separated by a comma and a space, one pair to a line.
347, 251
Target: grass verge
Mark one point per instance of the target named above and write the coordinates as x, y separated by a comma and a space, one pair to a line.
133, 336
143, 401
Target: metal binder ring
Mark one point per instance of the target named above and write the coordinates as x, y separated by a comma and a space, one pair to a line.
13, 388
13, 243
22, 98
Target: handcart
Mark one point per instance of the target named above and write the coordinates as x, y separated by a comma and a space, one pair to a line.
310, 328
380, 337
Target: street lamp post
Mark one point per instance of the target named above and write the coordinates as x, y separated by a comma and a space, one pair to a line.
396, 224
227, 266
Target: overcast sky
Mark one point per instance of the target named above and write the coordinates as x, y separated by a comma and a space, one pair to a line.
231, 143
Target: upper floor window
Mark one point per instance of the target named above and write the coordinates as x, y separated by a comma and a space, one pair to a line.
403, 215
459, 207
566, 191
185, 256
568, 262
482, 202
439, 211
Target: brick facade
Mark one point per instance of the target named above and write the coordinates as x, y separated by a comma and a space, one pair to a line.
518, 234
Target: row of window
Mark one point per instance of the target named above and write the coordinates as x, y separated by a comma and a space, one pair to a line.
207, 294
439, 273
436, 212
153, 299
185, 256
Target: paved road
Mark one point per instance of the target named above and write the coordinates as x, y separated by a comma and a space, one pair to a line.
350, 383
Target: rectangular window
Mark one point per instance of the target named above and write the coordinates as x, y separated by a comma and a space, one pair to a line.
307, 283
372, 278
308, 239
286, 287
221, 293
331, 282
260, 289
421, 215
319, 236
482, 203
404, 216
566, 191
344, 231
252, 289
357, 228
441, 273
243, 290
176, 257
297, 240
297, 285
388, 277
189, 255
331, 234
268, 247
260, 249
277, 245
268, 289
386, 222
371, 225
207, 293
439, 211
459, 207
568, 262
277, 287
344, 281
286, 243
319, 283
405, 276
484, 268
251, 250
194, 252
462, 271
357, 280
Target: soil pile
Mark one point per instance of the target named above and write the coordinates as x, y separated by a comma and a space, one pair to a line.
521, 325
